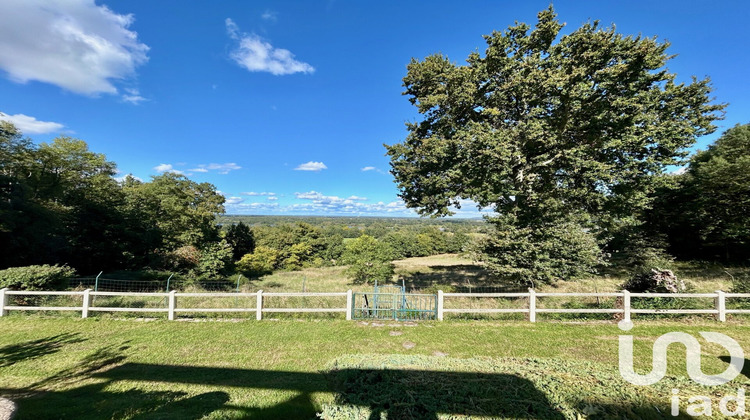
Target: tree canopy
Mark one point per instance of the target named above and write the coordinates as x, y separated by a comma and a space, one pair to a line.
585, 122
549, 129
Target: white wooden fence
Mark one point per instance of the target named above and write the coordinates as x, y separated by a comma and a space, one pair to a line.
719, 309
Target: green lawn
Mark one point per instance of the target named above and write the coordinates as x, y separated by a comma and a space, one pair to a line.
128, 369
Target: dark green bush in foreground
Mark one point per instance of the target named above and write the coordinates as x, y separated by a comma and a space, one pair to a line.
36, 277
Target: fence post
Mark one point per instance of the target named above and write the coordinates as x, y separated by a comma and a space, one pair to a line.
86, 303
626, 306
3, 301
172, 305
96, 282
532, 305
440, 305
259, 306
721, 305
349, 305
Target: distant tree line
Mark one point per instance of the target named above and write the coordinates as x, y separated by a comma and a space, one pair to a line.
60, 204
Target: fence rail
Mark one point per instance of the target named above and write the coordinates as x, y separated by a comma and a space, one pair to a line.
169, 303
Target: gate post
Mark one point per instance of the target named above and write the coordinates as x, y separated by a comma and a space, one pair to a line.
349, 305
440, 305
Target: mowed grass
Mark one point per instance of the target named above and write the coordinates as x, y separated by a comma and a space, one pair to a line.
128, 369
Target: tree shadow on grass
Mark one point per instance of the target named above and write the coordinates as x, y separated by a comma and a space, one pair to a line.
418, 394
102, 386
464, 278
745, 368
33, 349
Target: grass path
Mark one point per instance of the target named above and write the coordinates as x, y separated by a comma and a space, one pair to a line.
79, 369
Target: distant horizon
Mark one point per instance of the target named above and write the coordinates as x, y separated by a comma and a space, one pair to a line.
341, 216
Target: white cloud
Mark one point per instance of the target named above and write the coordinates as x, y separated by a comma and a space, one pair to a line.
679, 171
133, 96
166, 167
270, 16
311, 166
233, 200
250, 208
253, 193
222, 168
255, 54
123, 177
372, 168
317, 203
30, 125
74, 44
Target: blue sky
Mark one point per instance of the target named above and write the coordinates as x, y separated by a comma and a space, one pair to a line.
285, 106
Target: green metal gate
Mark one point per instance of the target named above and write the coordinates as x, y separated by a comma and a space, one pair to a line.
393, 303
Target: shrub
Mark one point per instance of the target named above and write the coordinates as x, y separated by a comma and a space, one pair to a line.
36, 277
260, 262
183, 259
654, 281
215, 259
368, 260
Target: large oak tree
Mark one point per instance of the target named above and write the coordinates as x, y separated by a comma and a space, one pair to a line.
567, 131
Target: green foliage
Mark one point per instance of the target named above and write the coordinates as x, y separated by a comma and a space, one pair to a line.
175, 210
36, 277
707, 215
582, 121
368, 260
431, 241
542, 253
215, 259
241, 238
403, 244
299, 255
262, 261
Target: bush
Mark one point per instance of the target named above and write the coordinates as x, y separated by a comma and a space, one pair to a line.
215, 259
368, 260
260, 262
184, 258
654, 281
36, 277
